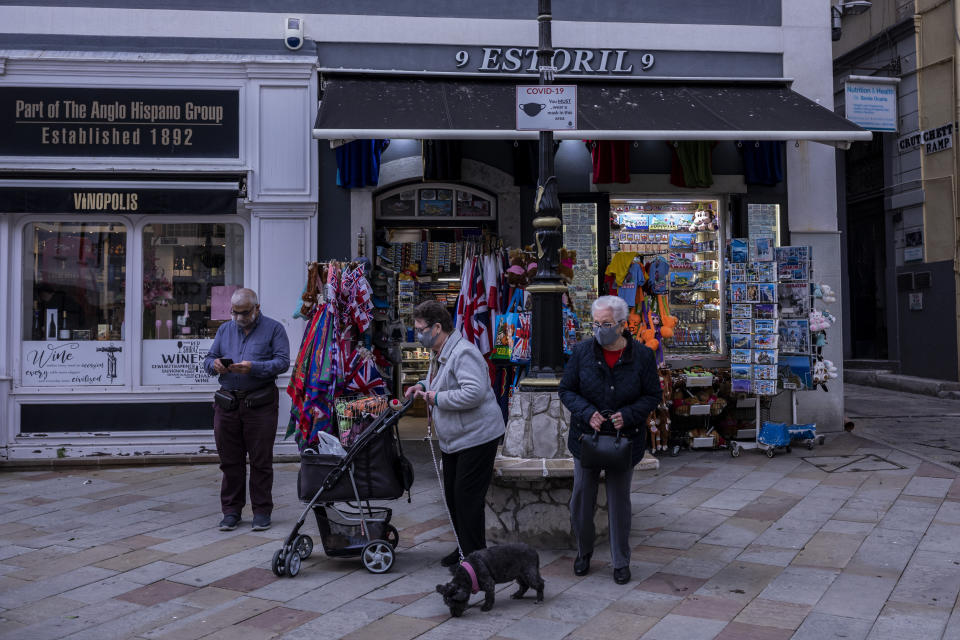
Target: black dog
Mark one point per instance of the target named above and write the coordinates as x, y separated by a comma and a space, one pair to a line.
490, 567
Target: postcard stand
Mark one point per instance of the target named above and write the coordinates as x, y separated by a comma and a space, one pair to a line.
773, 435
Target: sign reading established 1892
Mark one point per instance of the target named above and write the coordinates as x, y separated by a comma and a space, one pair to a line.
70, 121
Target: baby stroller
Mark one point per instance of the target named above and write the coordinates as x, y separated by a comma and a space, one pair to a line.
374, 468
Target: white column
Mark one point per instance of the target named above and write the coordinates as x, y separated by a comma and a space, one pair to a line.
812, 187
6, 340
283, 238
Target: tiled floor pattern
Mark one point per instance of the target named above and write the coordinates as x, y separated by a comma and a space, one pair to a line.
859, 541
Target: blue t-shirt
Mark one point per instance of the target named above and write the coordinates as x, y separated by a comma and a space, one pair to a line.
631, 282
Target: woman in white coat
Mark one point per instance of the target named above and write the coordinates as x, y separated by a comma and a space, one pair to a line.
467, 420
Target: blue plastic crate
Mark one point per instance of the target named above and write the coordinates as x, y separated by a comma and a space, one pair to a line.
803, 431
774, 434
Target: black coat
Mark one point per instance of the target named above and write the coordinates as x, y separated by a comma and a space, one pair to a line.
631, 387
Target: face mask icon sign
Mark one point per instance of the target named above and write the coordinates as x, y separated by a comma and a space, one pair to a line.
532, 108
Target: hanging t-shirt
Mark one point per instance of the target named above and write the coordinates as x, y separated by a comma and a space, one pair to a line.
441, 159
611, 160
762, 161
358, 163
692, 163
620, 265
628, 288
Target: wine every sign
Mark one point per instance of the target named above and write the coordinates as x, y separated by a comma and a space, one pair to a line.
72, 363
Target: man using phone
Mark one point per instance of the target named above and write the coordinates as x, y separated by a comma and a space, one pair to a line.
248, 354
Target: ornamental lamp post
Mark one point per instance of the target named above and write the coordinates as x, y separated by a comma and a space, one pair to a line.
546, 292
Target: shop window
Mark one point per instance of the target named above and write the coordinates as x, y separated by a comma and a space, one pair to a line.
74, 300
189, 273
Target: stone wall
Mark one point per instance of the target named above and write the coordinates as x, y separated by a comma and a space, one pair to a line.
536, 511
537, 426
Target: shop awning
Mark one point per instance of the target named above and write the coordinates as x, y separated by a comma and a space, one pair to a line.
478, 108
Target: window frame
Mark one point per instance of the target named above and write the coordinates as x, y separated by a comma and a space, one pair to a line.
417, 187
134, 224
17, 325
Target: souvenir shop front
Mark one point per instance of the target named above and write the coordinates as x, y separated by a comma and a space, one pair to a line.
682, 212
136, 195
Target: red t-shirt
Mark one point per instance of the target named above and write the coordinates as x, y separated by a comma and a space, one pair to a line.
612, 357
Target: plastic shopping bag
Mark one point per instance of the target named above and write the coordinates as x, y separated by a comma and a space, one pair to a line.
507, 328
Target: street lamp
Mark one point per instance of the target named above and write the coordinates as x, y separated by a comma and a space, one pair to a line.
546, 291
845, 8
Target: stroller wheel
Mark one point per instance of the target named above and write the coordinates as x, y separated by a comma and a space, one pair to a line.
770, 452
735, 451
304, 546
675, 451
277, 564
377, 556
810, 445
293, 562
391, 535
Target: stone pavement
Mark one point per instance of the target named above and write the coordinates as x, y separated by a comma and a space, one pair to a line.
852, 540
926, 426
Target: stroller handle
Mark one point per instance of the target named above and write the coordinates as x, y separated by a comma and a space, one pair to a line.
396, 405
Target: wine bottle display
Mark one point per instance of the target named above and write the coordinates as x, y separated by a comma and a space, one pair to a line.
64, 332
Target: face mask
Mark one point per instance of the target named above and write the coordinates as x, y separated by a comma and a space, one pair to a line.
607, 335
426, 339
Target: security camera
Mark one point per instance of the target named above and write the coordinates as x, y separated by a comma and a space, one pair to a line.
293, 33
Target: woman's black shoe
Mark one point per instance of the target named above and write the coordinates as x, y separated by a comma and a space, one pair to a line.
621, 575
581, 566
451, 558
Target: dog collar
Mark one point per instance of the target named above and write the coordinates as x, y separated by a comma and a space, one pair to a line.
474, 585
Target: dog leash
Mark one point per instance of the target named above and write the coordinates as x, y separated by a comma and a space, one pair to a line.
436, 468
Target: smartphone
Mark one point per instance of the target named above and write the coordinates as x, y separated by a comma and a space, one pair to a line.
226, 362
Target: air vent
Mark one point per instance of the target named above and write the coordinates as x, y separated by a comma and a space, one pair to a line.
923, 279
905, 282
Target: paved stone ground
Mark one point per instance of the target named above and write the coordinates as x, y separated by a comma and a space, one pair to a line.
920, 424
852, 540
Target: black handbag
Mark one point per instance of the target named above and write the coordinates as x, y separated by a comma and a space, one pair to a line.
601, 451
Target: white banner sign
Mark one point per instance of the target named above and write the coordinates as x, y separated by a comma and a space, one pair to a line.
872, 105
176, 361
72, 363
938, 139
547, 108
910, 141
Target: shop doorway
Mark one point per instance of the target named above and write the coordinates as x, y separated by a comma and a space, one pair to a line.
867, 263
866, 250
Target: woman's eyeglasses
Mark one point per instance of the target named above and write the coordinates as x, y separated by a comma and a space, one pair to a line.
605, 325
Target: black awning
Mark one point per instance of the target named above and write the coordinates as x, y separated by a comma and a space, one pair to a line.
476, 108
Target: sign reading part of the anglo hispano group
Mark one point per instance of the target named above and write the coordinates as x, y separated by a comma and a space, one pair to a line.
72, 121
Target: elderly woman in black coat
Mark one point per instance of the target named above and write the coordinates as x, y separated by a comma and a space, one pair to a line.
610, 383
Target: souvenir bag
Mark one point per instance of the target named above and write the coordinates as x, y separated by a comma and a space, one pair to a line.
507, 329
520, 354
